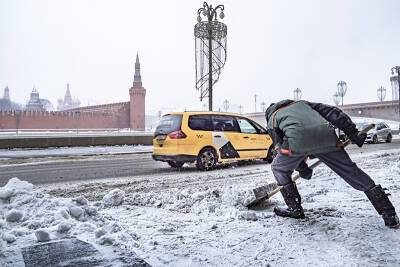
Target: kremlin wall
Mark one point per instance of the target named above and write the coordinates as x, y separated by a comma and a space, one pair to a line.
129, 114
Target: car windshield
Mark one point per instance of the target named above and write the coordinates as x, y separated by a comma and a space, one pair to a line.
361, 125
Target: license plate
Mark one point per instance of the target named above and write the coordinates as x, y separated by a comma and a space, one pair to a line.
161, 137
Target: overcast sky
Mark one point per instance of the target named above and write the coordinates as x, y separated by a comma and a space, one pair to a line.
273, 47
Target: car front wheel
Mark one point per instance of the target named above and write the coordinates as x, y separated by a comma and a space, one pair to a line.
271, 154
389, 138
207, 159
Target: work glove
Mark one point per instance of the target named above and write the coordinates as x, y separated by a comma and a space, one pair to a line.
304, 171
358, 139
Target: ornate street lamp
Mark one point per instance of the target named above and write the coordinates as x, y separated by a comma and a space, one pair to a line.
381, 93
342, 89
210, 49
297, 94
336, 98
395, 81
255, 103
226, 105
263, 106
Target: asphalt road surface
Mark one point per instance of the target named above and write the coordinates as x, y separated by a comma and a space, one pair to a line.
42, 171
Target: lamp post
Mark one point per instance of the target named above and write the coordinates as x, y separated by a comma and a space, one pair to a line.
297, 94
226, 105
395, 82
240, 109
210, 32
336, 99
255, 103
263, 106
342, 89
381, 93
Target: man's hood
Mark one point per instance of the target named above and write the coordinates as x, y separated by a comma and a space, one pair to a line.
275, 106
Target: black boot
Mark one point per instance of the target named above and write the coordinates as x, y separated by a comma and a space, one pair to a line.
383, 206
293, 201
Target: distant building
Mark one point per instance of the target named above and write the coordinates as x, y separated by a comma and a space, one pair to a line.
6, 103
35, 103
68, 102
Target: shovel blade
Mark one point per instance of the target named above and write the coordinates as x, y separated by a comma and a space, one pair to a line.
262, 193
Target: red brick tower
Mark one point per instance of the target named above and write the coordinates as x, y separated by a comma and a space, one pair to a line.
138, 95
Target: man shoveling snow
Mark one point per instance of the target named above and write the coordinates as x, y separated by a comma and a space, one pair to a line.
300, 129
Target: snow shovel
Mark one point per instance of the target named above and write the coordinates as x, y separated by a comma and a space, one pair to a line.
267, 191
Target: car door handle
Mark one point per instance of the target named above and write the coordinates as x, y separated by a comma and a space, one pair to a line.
245, 137
217, 136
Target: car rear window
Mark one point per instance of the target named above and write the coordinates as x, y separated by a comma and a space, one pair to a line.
168, 124
200, 122
381, 126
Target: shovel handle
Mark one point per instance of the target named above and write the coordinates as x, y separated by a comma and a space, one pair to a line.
318, 162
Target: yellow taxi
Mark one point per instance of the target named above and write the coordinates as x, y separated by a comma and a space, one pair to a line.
209, 138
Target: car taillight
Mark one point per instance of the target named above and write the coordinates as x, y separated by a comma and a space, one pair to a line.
177, 135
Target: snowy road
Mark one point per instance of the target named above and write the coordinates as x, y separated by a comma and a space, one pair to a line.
81, 168
84, 168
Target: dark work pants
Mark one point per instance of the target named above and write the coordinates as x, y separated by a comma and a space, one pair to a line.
339, 161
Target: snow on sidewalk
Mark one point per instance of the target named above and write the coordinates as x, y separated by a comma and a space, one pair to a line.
73, 151
29, 216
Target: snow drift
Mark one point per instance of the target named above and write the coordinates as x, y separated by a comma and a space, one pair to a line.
28, 216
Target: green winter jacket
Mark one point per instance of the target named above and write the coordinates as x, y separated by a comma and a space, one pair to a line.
305, 131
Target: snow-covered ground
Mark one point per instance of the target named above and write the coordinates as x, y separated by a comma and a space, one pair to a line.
73, 151
29, 216
196, 219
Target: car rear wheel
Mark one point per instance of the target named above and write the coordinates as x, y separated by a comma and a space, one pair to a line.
175, 164
389, 138
375, 139
207, 159
271, 154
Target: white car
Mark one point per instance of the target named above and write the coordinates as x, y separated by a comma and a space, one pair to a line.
381, 132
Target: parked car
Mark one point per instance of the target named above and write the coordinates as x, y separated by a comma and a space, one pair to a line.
381, 132
208, 138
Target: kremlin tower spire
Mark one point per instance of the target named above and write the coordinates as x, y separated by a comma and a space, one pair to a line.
137, 96
67, 98
6, 93
137, 78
